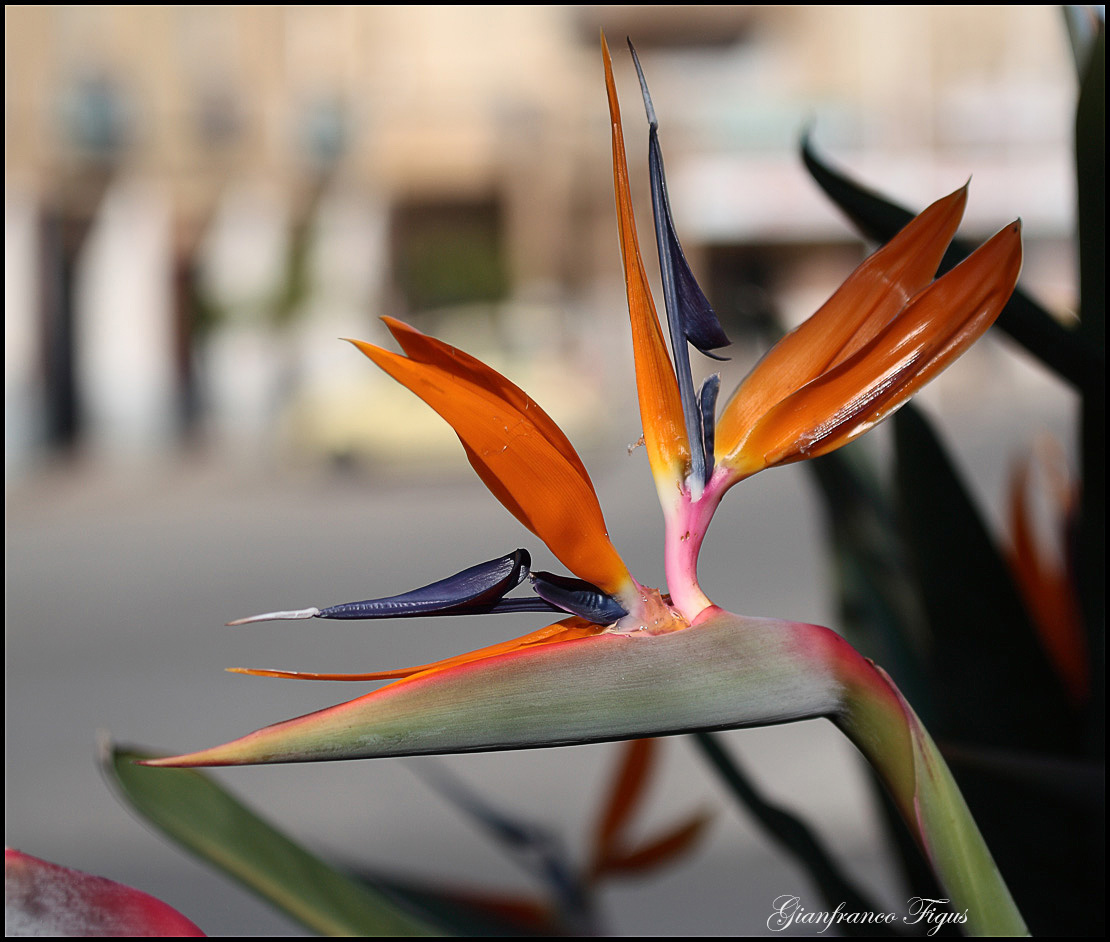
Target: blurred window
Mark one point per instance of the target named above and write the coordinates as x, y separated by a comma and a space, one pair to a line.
448, 252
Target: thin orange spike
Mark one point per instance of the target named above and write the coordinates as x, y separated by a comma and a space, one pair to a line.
569, 629
512, 453
870, 297
938, 325
656, 386
310, 675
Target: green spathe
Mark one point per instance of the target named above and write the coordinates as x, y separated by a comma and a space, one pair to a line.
727, 671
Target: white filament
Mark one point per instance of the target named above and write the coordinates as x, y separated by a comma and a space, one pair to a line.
277, 616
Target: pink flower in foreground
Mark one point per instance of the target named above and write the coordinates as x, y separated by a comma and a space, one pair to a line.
42, 898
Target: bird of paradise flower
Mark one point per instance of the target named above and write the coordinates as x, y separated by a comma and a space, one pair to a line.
628, 660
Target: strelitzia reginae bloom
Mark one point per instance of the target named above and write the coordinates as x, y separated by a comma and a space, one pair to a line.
627, 660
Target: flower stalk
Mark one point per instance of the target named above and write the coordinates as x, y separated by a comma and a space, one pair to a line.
883, 726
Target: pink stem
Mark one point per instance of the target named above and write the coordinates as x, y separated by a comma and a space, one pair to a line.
686, 525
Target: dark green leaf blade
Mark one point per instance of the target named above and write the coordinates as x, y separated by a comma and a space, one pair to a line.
794, 836
536, 849
1030, 325
1090, 178
1090, 552
472, 914
992, 682
197, 813
879, 605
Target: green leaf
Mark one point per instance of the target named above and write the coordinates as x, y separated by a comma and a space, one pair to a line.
474, 914
197, 813
993, 683
1090, 178
795, 837
727, 671
1060, 349
535, 848
991, 679
884, 727
954, 844
1090, 168
880, 610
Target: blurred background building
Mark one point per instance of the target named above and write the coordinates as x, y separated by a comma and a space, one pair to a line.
199, 200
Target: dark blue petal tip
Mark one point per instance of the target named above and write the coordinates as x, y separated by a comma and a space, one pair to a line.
696, 319
707, 408
474, 588
577, 597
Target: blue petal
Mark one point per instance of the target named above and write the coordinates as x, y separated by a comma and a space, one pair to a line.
478, 588
696, 319
689, 315
699, 322
707, 408
577, 597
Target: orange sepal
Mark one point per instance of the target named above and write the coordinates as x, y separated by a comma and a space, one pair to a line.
508, 440
937, 325
656, 386
569, 629
426, 349
611, 855
670, 845
626, 794
1049, 595
870, 297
